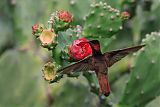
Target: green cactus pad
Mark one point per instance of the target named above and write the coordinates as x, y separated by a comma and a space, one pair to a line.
21, 83
75, 94
66, 38
144, 83
103, 21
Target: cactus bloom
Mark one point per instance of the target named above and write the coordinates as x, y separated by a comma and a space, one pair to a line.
36, 29
79, 50
125, 15
49, 71
61, 20
47, 37
65, 16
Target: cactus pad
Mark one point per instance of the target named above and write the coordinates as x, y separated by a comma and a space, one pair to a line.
144, 83
103, 21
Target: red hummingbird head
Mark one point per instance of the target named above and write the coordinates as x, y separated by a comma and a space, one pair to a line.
95, 45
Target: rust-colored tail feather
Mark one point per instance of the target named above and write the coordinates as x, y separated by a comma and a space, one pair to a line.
103, 83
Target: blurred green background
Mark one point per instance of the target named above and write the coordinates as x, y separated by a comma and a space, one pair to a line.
21, 58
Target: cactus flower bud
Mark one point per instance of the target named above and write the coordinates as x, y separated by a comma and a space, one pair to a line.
62, 20
64, 16
47, 37
79, 49
49, 71
125, 15
37, 29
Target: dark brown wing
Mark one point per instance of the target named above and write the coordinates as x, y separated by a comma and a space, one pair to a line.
82, 65
117, 55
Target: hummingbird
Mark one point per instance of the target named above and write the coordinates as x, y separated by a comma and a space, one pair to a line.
99, 63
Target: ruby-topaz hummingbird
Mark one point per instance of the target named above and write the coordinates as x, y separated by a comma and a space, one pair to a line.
99, 63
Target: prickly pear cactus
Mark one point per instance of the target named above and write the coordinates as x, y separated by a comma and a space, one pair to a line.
60, 34
102, 21
144, 83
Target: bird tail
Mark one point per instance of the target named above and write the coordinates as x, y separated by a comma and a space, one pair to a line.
103, 83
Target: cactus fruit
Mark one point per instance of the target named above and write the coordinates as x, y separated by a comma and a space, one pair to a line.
103, 21
61, 20
144, 83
